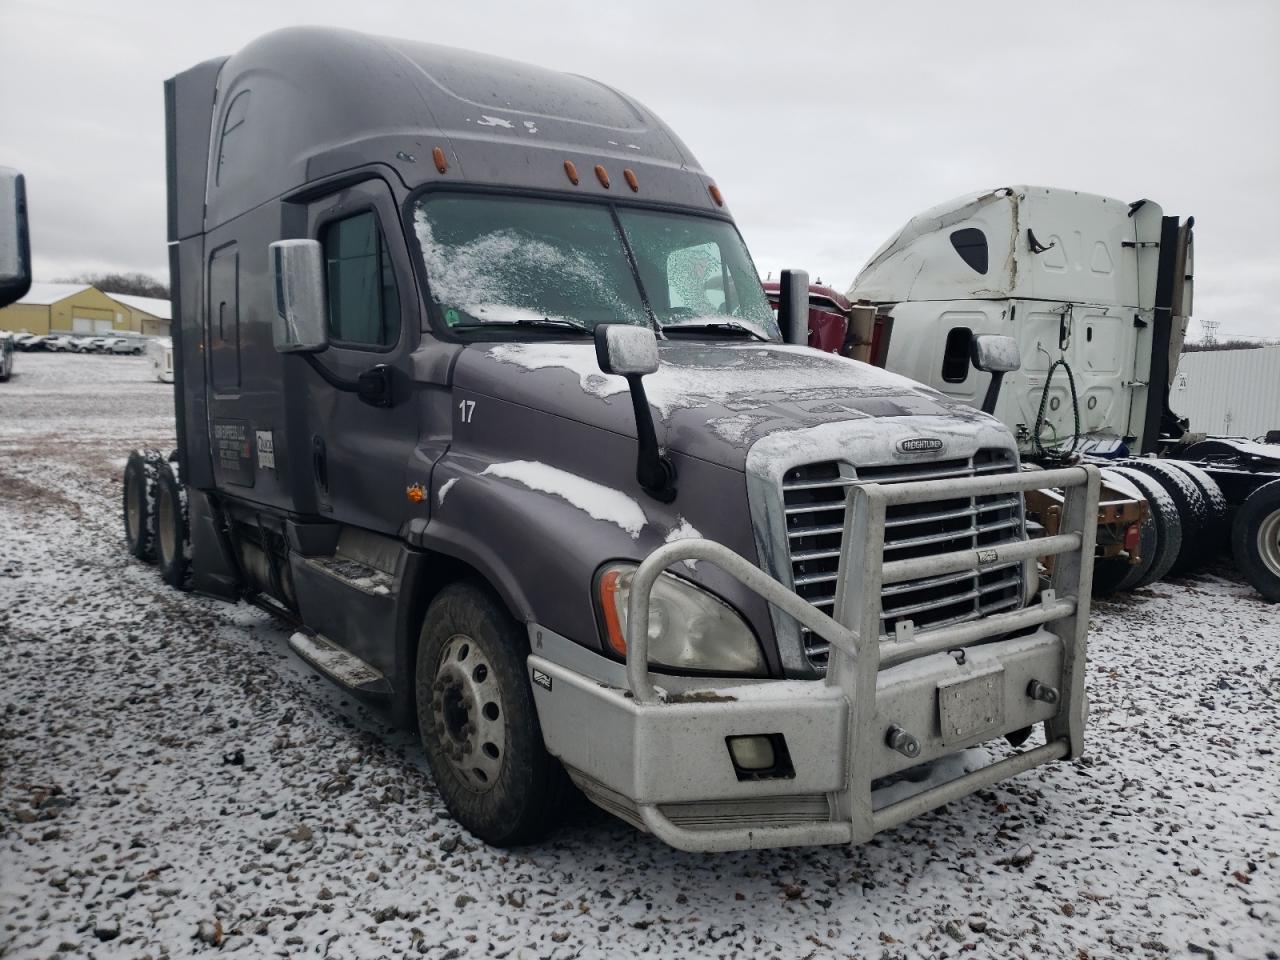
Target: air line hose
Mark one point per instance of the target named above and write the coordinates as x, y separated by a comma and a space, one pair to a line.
1057, 453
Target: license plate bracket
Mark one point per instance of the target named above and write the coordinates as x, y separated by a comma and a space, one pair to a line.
971, 705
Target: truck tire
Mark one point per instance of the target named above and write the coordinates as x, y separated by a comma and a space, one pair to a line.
1255, 539
172, 540
139, 503
477, 719
1168, 525
1192, 511
1148, 535
1217, 527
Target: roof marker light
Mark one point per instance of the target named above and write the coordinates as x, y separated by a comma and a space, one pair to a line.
629, 175
571, 172
603, 176
438, 156
716, 195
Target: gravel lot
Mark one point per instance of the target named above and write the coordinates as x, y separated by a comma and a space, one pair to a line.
173, 781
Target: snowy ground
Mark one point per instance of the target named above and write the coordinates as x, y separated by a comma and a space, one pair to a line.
171, 775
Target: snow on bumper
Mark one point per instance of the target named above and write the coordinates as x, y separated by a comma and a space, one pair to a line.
677, 751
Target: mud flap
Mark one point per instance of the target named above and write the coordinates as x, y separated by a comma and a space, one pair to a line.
212, 571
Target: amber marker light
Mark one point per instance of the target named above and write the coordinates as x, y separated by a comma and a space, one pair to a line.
716, 195
438, 156
571, 172
609, 604
603, 176
416, 493
629, 175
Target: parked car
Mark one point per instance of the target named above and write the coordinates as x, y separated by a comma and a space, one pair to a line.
57, 342
28, 341
6, 355
128, 345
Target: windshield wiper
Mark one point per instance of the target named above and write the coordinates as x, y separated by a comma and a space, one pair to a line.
545, 323
717, 326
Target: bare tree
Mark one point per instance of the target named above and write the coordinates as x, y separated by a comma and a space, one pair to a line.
1194, 346
135, 284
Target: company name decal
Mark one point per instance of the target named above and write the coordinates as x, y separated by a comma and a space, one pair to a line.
919, 445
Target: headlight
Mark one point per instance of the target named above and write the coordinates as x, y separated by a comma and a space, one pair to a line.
689, 628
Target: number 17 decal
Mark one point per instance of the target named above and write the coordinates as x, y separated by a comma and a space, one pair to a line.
466, 409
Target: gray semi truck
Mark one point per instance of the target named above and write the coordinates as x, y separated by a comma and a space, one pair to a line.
478, 389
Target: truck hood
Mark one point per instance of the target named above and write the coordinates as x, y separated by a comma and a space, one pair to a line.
711, 401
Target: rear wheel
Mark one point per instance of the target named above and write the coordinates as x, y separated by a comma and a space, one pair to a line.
1217, 529
478, 723
1148, 532
171, 528
1168, 526
1192, 511
139, 503
1255, 539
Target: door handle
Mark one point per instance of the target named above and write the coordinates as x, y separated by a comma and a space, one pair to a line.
320, 463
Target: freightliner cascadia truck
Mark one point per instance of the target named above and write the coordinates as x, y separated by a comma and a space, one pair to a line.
478, 389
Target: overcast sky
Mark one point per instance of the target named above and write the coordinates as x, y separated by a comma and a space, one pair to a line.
826, 125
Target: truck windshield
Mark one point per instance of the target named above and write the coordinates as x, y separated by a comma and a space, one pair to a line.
503, 265
697, 274
515, 262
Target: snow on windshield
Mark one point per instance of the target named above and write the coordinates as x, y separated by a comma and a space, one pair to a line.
524, 264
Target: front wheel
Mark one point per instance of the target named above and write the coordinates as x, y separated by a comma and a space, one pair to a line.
1255, 539
477, 719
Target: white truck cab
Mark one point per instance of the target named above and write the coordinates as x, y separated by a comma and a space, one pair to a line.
1096, 291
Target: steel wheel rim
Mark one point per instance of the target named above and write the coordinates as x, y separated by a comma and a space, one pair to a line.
1269, 542
467, 713
133, 512
164, 517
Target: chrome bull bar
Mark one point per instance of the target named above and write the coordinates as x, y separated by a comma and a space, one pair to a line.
858, 653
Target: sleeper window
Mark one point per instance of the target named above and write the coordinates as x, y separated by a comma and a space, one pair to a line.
971, 244
364, 306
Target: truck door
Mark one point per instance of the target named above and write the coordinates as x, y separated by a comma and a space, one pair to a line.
359, 452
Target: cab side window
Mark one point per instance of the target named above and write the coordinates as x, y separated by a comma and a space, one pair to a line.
364, 305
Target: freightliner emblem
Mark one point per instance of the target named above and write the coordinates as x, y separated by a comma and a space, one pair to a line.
919, 445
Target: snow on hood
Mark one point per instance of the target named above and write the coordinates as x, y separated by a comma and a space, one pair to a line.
596, 500
711, 400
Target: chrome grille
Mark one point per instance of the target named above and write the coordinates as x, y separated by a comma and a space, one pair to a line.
814, 499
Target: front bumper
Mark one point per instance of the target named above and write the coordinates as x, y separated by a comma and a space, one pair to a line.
674, 754
662, 760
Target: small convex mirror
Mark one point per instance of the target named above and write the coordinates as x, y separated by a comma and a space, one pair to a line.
993, 353
15, 245
626, 350
298, 324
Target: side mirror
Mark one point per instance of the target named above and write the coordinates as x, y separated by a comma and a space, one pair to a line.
992, 353
626, 350
15, 240
996, 355
793, 306
298, 325
632, 352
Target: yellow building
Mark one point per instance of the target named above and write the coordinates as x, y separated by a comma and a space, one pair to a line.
82, 309
148, 316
